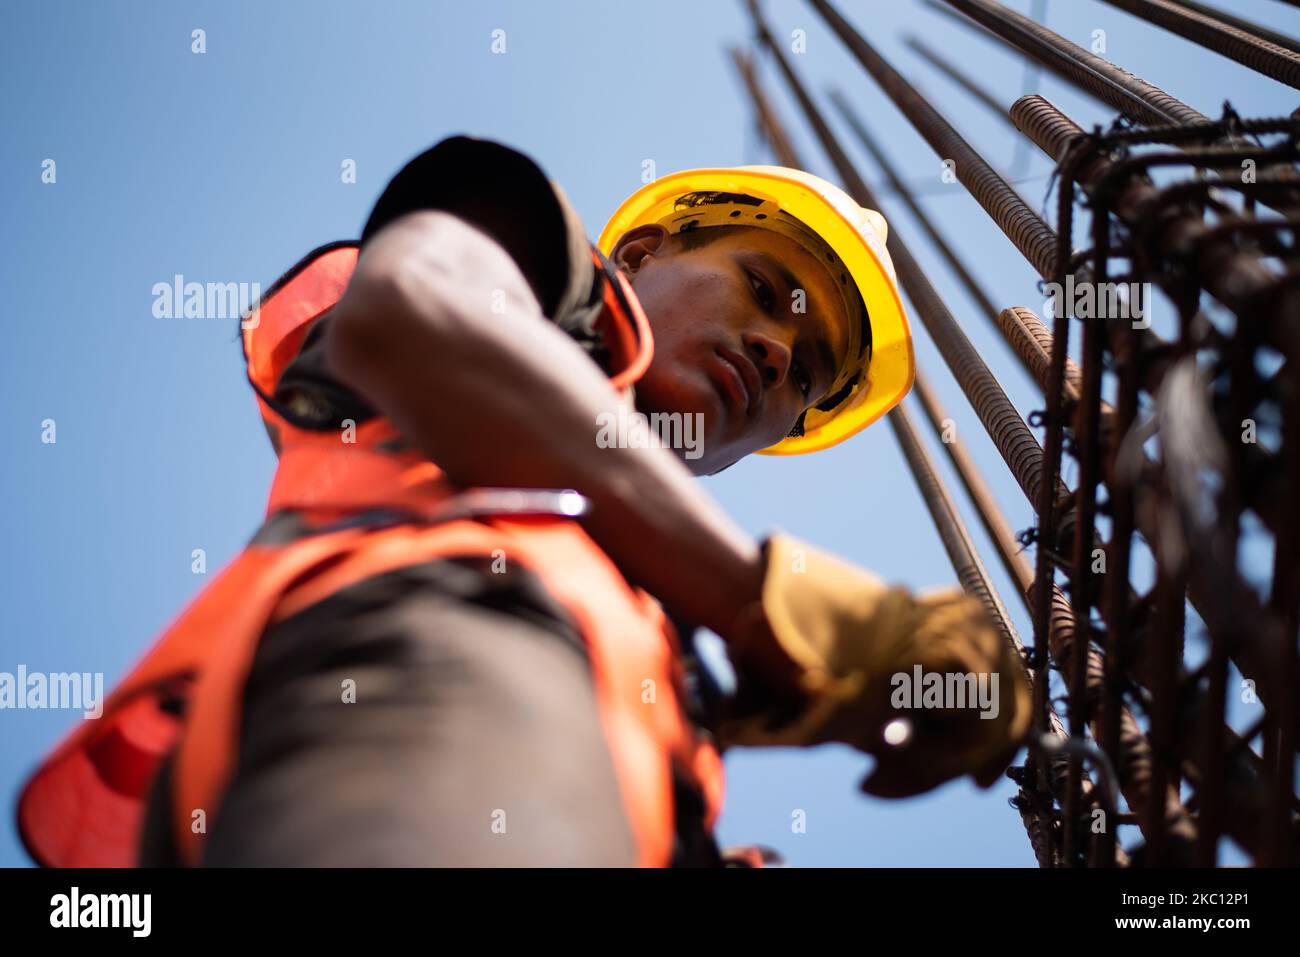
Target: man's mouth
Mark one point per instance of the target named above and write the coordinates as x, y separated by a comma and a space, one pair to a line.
737, 379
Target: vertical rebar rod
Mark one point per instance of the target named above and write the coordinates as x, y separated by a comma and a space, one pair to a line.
1024, 227
1247, 49
991, 517
904, 194
1126, 93
1088, 417
1164, 657
1285, 601
952, 530
958, 76
1246, 26
771, 126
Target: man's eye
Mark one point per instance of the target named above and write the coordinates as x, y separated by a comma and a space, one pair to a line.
762, 290
801, 379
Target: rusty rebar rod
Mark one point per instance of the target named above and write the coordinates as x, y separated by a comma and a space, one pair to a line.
986, 507
1024, 227
953, 533
958, 76
1246, 26
1032, 342
773, 129
1124, 92
1134, 757
1247, 49
900, 188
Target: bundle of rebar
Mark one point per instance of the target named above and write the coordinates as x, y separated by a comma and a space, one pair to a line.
1134, 759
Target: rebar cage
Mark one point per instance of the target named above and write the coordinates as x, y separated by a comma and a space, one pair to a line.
1183, 447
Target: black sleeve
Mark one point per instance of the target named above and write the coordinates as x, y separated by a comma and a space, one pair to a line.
507, 195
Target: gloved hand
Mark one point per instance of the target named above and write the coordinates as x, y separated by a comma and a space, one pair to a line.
852, 646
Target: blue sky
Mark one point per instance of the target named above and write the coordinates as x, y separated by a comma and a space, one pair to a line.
225, 166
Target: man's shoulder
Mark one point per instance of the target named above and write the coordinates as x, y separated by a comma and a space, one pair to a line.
506, 193
501, 191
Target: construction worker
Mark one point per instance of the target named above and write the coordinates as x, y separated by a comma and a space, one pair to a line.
463, 634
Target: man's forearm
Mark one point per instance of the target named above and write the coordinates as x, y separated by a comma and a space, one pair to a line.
504, 397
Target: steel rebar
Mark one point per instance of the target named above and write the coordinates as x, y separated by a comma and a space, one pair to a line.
1126, 93
1246, 48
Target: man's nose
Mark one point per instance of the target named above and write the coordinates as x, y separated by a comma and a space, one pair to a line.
771, 355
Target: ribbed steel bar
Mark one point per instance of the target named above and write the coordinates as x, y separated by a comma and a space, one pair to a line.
952, 530
1134, 759
1285, 601
1247, 49
1115, 602
1163, 661
901, 189
986, 507
1124, 92
1087, 417
958, 76
1012, 437
773, 129
1024, 227
1246, 26
1032, 342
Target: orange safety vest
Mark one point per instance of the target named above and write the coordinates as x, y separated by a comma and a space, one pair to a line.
85, 804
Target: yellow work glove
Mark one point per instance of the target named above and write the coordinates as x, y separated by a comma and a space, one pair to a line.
852, 646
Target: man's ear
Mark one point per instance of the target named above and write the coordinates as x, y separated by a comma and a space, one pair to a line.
634, 245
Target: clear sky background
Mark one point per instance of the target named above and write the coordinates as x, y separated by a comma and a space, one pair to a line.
225, 167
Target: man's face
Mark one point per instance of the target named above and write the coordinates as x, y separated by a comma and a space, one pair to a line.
749, 330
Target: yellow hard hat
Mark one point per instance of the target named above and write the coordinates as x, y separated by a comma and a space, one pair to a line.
880, 364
